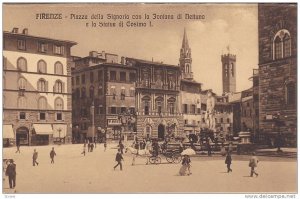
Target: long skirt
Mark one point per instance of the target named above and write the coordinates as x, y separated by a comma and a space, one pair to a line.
183, 170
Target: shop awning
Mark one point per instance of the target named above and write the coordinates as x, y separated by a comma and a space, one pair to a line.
8, 131
59, 130
43, 129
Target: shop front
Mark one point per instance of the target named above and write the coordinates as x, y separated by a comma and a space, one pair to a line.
42, 134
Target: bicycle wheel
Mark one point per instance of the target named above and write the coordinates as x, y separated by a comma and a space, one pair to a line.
177, 158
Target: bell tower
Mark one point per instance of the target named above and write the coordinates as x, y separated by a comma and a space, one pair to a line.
185, 60
228, 73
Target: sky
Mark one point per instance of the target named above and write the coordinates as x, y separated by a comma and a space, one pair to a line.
233, 25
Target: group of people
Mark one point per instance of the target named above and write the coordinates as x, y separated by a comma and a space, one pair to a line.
91, 146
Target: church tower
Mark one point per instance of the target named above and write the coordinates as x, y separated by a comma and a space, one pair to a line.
228, 73
185, 60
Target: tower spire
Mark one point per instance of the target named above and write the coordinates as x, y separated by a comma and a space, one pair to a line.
185, 42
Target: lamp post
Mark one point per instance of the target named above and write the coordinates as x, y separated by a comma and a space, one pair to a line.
93, 120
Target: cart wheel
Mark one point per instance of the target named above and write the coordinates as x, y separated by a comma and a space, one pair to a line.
177, 159
154, 160
169, 159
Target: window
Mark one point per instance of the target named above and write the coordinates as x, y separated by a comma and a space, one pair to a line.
123, 94
287, 45
83, 112
123, 76
132, 77
22, 115
42, 116
226, 70
278, 48
100, 109
146, 107
22, 102
159, 106
83, 92
113, 76
21, 44
203, 120
186, 121
123, 110
57, 49
42, 47
59, 116
232, 69
41, 66
91, 77
198, 110
77, 80
83, 79
100, 90
100, 75
185, 108
228, 120
193, 109
22, 83
221, 120
77, 93
113, 110
42, 103
171, 107
92, 92
58, 104
282, 44
58, 87
58, 68
22, 64
113, 92
131, 92
42, 85
291, 93
132, 110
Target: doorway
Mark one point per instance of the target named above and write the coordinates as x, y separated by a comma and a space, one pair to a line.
22, 136
161, 131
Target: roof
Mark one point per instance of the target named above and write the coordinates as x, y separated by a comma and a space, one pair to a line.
151, 62
38, 37
185, 42
191, 81
96, 66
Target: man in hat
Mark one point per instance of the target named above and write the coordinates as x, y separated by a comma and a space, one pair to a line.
34, 157
252, 164
11, 173
119, 159
52, 154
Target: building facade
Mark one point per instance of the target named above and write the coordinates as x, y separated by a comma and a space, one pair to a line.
277, 27
36, 88
157, 99
100, 81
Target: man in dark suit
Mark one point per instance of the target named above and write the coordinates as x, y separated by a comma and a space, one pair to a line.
119, 159
34, 157
11, 173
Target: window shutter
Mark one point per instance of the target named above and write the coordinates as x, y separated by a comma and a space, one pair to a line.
63, 87
46, 86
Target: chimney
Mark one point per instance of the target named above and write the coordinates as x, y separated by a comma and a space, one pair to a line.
15, 30
123, 60
25, 31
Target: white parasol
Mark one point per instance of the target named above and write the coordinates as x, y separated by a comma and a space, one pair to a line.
188, 152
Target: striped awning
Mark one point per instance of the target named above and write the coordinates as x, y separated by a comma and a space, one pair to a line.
43, 129
8, 131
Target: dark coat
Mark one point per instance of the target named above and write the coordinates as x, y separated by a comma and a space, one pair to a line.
35, 155
186, 161
119, 157
11, 170
52, 154
228, 159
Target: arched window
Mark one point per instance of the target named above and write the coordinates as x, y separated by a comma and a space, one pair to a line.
42, 103
287, 45
58, 68
22, 102
22, 64
232, 69
290, 93
41, 66
83, 92
58, 104
123, 93
159, 104
282, 44
171, 105
42, 85
58, 87
22, 83
146, 104
187, 70
226, 70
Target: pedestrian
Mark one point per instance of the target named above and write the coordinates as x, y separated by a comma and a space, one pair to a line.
252, 164
180, 146
92, 147
89, 146
208, 146
121, 146
228, 162
105, 145
11, 173
34, 157
84, 148
119, 159
186, 165
18, 146
52, 154
95, 141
